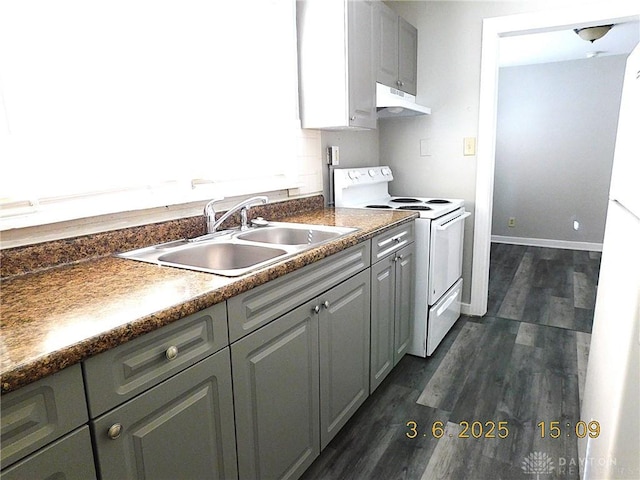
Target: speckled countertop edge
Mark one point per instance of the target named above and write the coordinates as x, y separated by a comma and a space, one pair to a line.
55, 318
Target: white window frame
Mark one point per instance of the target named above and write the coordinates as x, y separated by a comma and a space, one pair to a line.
17, 212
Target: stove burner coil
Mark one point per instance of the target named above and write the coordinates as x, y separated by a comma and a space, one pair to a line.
438, 200
378, 206
406, 200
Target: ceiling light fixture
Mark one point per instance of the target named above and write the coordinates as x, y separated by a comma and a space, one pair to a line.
591, 34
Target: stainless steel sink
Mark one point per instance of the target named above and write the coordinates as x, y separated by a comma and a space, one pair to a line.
217, 257
235, 253
298, 235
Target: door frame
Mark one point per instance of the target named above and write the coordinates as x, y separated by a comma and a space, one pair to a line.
492, 30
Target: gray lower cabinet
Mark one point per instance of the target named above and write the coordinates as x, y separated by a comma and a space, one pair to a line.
182, 428
392, 294
345, 324
121, 373
40, 413
298, 380
276, 392
69, 458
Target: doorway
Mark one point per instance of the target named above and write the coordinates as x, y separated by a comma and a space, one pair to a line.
493, 30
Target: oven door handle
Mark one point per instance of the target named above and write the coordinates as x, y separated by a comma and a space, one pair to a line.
446, 225
448, 303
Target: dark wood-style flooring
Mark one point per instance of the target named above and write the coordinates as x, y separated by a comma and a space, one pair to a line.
523, 363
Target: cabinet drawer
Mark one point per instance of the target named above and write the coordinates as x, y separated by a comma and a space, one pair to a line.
41, 412
180, 429
70, 457
391, 241
255, 308
123, 372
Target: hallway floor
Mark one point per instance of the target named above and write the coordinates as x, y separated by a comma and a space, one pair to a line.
523, 363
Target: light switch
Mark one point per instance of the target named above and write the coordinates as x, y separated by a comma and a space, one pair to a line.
469, 146
424, 147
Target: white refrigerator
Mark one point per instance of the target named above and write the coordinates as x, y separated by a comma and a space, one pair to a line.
612, 389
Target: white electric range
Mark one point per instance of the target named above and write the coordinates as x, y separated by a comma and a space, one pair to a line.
439, 242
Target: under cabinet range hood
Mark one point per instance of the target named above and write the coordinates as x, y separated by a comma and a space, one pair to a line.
392, 102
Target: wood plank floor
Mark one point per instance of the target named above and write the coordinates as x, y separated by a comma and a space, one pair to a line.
523, 363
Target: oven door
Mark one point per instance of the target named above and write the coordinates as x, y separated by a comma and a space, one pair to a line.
445, 268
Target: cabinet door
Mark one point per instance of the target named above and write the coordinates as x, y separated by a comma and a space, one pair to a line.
276, 392
385, 44
383, 280
344, 353
123, 372
404, 301
361, 77
41, 412
68, 458
182, 428
407, 57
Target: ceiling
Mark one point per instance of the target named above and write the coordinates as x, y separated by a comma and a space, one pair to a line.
562, 45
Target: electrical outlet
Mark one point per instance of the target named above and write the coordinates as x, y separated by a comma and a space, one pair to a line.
512, 222
333, 155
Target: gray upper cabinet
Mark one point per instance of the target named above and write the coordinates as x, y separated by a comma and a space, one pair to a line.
392, 308
336, 65
395, 47
181, 428
385, 45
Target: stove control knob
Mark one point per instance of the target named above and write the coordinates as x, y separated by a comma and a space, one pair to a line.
372, 173
386, 171
353, 175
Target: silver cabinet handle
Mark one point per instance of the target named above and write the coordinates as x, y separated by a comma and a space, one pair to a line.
316, 309
397, 239
353, 117
326, 304
171, 353
114, 431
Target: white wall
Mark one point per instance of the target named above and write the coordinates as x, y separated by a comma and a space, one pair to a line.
358, 148
449, 51
555, 138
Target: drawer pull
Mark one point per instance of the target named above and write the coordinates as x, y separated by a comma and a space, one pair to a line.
397, 239
114, 431
316, 309
326, 304
171, 353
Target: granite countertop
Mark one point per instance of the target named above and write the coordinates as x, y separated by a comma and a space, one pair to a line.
57, 317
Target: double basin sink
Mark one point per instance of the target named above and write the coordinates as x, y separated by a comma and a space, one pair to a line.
237, 252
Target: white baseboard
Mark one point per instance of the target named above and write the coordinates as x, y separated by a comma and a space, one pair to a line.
544, 242
465, 309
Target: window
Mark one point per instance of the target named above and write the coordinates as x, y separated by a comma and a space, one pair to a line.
126, 104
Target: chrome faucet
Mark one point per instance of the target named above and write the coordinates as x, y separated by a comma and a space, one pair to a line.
210, 213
